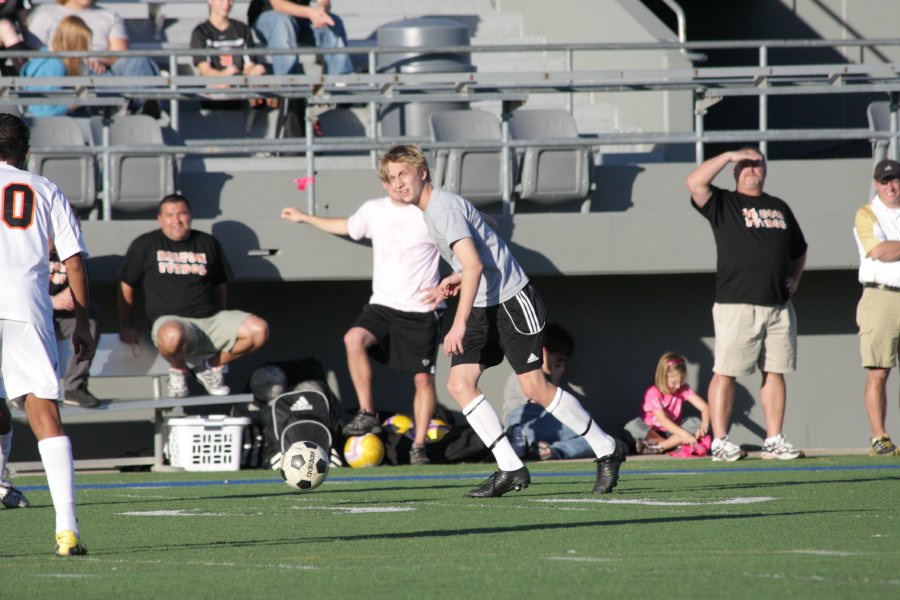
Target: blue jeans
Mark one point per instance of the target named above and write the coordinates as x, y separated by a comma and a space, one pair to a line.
133, 66
530, 423
279, 30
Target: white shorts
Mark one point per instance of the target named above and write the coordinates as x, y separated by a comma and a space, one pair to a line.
28, 359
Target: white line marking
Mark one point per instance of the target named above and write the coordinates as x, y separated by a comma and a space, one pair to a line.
173, 513
649, 502
359, 509
578, 558
823, 552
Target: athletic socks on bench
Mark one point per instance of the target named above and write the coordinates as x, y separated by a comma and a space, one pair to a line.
484, 420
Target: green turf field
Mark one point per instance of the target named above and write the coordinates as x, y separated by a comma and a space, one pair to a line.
812, 528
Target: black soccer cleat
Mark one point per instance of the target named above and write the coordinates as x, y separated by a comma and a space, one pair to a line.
501, 482
608, 468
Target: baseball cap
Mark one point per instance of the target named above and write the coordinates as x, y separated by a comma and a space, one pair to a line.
886, 169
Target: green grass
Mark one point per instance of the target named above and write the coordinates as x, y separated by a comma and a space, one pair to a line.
814, 528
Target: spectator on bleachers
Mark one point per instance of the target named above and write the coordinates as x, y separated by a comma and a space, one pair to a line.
72, 34
12, 29
109, 33
220, 32
288, 24
184, 275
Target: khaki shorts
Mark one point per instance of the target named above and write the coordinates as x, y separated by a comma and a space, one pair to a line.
208, 335
878, 318
750, 336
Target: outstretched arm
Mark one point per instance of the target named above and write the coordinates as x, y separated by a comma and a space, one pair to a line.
701, 178
332, 225
128, 333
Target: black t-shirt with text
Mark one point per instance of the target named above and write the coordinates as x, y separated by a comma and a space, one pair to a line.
178, 278
237, 35
756, 239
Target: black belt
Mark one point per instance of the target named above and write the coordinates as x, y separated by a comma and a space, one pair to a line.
881, 286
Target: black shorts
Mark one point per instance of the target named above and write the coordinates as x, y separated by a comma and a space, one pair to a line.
404, 340
514, 329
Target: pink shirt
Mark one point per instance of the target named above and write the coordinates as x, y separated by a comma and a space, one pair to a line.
405, 260
670, 403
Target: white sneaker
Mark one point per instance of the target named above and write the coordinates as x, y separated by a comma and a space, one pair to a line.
778, 448
723, 450
177, 386
213, 379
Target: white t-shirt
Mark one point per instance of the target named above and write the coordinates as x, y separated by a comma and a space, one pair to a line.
404, 258
32, 211
104, 24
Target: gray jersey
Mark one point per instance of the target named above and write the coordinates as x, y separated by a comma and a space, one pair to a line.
451, 218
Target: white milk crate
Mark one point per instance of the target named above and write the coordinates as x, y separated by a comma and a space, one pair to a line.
206, 443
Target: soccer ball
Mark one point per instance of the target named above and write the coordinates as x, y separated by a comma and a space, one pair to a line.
304, 466
437, 429
364, 450
401, 425
268, 382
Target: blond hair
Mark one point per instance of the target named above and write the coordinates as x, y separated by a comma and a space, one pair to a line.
408, 153
668, 362
72, 34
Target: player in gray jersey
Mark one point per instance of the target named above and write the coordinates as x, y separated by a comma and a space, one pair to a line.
499, 314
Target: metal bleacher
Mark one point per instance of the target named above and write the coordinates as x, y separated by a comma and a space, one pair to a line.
508, 76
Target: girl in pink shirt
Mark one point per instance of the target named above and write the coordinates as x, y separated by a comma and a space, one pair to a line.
662, 410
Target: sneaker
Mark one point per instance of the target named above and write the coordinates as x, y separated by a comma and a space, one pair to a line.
417, 456
177, 386
608, 468
883, 446
69, 544
501, 482
725, 451
213, 379
645, 447
11, 497
362, 423
81, 397
779, 449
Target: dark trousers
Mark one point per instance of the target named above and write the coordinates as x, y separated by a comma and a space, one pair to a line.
76, 373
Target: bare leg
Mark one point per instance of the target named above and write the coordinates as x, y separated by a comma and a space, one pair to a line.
721, 403
251, 335
357, 341
423, 405
876, 399
173, 341
772, 396
43, 417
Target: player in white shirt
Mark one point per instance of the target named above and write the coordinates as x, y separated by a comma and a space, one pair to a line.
399, 326
33, 211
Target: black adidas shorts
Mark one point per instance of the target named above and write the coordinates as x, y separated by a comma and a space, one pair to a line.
405, 340
514, 329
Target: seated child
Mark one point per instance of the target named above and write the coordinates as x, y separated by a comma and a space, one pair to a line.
532, 431
661, 424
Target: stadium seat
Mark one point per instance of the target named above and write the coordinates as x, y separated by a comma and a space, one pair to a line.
136, 182
879, 114
474, 174
75, 174
550, 175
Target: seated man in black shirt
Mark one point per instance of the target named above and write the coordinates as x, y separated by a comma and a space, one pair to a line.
184, 275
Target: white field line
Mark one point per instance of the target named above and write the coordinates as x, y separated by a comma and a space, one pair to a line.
649, 502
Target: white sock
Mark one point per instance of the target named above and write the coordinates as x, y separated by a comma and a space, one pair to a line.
568, 411
484, 420
5, 447
56, 454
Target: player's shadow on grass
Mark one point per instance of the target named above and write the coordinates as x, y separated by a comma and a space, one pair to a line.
654, 522
773, 484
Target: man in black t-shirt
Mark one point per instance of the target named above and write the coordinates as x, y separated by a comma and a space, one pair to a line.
184, 276
761, 253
